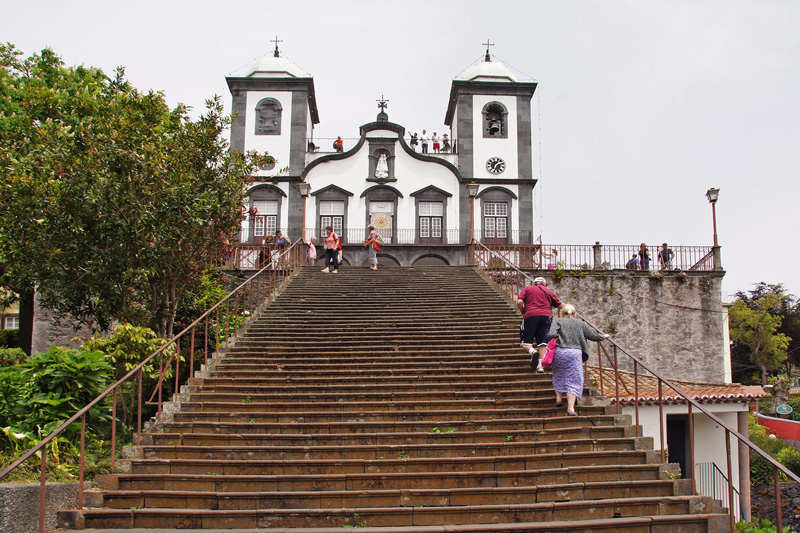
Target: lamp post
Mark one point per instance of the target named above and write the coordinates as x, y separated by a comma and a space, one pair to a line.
713, 195
472, 190
304, 189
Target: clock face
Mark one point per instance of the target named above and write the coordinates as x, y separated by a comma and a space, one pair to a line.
495, 165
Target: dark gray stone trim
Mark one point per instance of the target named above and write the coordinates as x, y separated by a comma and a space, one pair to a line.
325, 190
266, 186
278, 84
376, 188
238, 128
461, 87
490, 193
524, 138
526, 208
297, 140
378, 146
431, 188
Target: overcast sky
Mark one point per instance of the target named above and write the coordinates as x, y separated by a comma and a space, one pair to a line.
641, 107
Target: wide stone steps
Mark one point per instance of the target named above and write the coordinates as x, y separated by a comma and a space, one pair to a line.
388, 498
392, 401
401, 516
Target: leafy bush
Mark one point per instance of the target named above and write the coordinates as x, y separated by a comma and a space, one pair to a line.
790, 458
765, 526
59, 383
9, 338
11, 356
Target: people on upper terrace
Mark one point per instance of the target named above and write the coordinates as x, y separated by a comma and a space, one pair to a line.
644, 257
312, 250
445, 143
414, 142
665, 255
281, 239
436, 145
338, 144
633, 263
425, 139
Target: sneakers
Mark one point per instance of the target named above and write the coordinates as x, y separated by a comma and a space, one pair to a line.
539, 369
334, 271
326, 270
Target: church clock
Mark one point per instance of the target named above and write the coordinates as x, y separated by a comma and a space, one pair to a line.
495, 165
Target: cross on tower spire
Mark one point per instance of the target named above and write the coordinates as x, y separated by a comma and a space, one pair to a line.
382, 103
276, 41
487, 44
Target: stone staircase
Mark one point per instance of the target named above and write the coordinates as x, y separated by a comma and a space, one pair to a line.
395, 400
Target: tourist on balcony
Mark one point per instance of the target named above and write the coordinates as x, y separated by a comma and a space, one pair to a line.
331, 251
338, 144
665, 256
535, 302
644, 257
435, 140
414, 142
281, 239
425, 139
445, 143
572, 350
633, 263
312, 251
371, 243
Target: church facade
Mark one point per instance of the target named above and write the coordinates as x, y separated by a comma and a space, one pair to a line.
427, 197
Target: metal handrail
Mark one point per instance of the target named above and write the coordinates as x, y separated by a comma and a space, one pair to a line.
266, 282
505, 288
715, 474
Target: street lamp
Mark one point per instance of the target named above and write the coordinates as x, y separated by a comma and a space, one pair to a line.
472, 190
304, 189
713, 195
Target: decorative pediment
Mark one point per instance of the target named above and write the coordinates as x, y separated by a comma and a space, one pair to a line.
334, 189
431, 189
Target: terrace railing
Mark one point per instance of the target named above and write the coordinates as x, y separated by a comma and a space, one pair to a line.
222, 322
509, 280
325, 145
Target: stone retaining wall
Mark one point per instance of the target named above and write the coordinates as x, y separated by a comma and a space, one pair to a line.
19, 505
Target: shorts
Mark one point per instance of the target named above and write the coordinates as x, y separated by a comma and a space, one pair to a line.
534, 330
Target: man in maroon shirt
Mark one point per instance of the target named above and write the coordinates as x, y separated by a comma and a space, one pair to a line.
535, 302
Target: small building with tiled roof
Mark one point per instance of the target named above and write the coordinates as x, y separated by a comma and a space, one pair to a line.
730, 402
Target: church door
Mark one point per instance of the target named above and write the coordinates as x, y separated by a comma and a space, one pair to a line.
430, 222
381, 215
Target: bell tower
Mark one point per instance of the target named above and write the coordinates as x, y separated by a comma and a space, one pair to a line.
489, 114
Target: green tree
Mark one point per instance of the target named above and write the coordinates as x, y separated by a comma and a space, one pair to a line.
113, 205
754, 325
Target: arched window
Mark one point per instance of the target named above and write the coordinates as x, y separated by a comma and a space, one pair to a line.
495, 121
268, 117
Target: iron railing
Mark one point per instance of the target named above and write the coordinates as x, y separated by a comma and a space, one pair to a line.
712, 482
398, 236
325, 145
223, 321
509, 280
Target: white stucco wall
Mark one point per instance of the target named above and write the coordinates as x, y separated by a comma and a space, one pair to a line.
709, 437
276, 145
485, 148
412, 175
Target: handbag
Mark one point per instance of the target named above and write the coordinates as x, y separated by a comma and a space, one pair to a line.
547, 360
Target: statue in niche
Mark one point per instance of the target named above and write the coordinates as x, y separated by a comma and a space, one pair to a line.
382, 170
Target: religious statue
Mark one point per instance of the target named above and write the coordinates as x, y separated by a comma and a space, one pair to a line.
382, 170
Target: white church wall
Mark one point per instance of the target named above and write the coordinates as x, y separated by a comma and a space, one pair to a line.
709, 438
276, 145
486, 148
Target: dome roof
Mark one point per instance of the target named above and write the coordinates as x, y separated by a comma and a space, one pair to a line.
270, 66
487, 71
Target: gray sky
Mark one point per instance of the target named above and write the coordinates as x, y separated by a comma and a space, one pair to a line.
641, 107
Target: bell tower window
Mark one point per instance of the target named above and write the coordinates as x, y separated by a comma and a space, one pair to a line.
268, 117
495, 123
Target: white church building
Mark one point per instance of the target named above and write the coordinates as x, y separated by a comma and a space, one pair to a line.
423, 204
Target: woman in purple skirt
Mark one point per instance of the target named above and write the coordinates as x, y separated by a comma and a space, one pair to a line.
571, 335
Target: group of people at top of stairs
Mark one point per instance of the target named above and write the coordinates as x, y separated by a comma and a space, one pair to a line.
641, 260
333, 250
536, 302
424, 140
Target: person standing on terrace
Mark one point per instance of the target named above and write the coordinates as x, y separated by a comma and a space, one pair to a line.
535, 302
665, 256
338, 144
644, 257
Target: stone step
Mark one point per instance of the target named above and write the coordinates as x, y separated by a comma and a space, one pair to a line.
396, 516
508, 425
692, 523
392, 498
257, 481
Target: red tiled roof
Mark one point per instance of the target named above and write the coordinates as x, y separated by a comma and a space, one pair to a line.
700, 392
